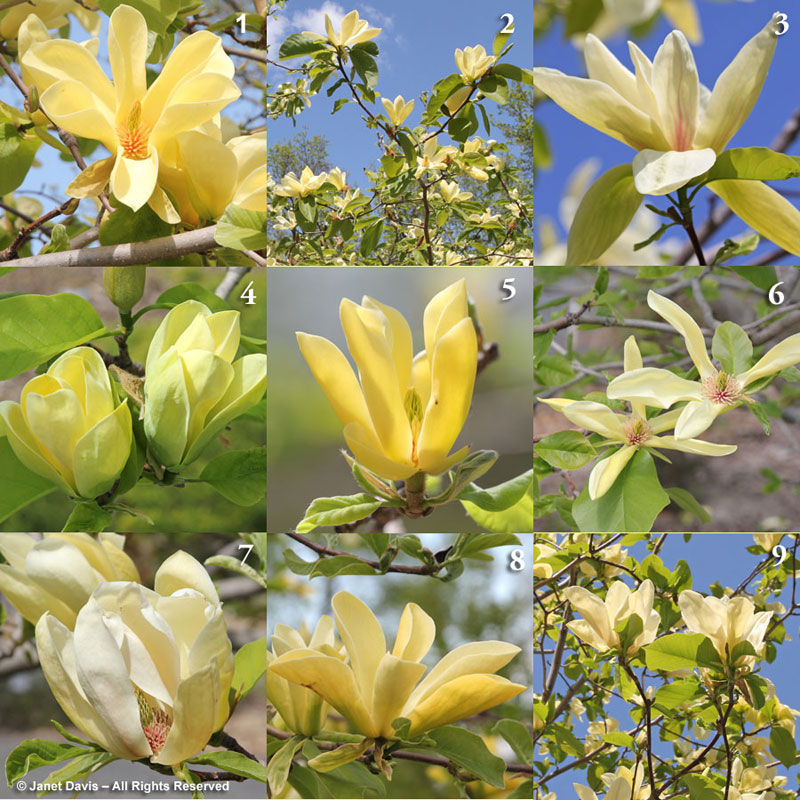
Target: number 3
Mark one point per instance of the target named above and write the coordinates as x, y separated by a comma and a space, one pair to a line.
509, 26
781, 20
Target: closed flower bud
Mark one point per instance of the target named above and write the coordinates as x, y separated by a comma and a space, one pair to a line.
193, 387
124, 285
69, 426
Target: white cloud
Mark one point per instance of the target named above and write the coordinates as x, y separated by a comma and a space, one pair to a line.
376, 17
313, 19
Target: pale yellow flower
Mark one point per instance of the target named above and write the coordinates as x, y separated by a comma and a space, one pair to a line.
434, 157
354, 30
472, 62
398, 109
306, 184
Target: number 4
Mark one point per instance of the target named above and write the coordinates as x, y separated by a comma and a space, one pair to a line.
249, 295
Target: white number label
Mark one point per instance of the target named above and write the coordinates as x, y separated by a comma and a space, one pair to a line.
509, 20
241, 20
779, 551
781, 20
776, 296
517, 561
508, 286
249, 295
248, 547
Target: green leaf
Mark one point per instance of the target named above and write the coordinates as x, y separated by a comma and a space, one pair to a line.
523, 791
469, 751
495, 87
464, 125
732, 347
541, 344
192, 291
518, 736
348, 781
566, 450
685, 500
330, 760
763, 277
475, 465
327, 567
507, 507
701, 788
781, 745
553, 371
126, 225
236, 565
366, 67
249, 665
17, 151
340, 510
34, 753
371, 238
682, 651
476, 543
306, 213
753, 164
18, 485
732, 249
35, 327
59, 240
411, 545
605, 211
671, 695
631, 504
301, 44
158, 14
237, 763
581, 15
238, 475
242, 229
409, 149
760, 413
618, 738
80, 767
87, 517
628, 630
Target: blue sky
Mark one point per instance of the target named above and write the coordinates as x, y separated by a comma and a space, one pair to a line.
712, 557
727, 26
417, 43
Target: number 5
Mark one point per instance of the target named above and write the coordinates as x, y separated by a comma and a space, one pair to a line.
508, 286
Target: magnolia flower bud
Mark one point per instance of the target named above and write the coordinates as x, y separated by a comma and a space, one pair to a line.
124, 285
58, 573
193, 387
69, 426
146, 673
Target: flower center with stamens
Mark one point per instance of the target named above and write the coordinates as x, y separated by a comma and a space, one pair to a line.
636, 431
413, 407
133, 135
723, 389
156, 723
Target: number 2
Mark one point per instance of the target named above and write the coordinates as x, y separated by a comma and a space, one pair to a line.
509, 26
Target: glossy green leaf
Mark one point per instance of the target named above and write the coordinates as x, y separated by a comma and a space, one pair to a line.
238, 475
732, 347
753, 164
340, 510
469, 751
242, 229
565, 450
17, 151
682, 651
88, 518
18, 485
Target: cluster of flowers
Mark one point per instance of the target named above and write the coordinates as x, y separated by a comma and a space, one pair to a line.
72, 428
143, 673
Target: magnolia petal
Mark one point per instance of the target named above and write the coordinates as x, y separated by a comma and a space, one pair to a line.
31, 599
687, 327
442, 463
127, 51
212, 645
176, 321
656, 387
14, 547
774, 360
333, 373
632, 359
605, 472
92, 180
588, 634
598, 105
394, 681
584, 792
331, 679
134, 180
461, 698
160, 203
658, 173
643, 69
664, 422
415, 634
421, 377
402, 345
602, 65
101, 453
122, 566
697, 417
444, 310
207, 379
737, 89
474, 657
210, 169
72, 105
677, 91
367, 451
593, 609
57, 656
453, 370
691, 446
632, 12
182, 571
166, 409
193, 717
362, 637
595, 417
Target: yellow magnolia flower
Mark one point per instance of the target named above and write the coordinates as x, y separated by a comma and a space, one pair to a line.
398, 110
338, 179
69, 427
434, 157
146, 673
727, 621
451, 192
60, 572
306, 184
633, 431
407, 411
662, 111
715, 392
52, 13
614, 554
472, 62
767, 541
193, 388
600, 617
138, 125
354, 30
300, 708
377, 686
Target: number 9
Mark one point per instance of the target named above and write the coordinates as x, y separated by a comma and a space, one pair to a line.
779, 551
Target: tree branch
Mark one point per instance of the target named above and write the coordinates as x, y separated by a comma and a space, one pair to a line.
122, 255
232, 276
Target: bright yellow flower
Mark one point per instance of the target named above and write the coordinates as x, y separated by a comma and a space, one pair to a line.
434, 157
52, 13
407, 411
338, 179
472, 62
69, 426
306, 184
714, 393
398, 110
376, 686
354, 30
451, 192
139, 125
60, 572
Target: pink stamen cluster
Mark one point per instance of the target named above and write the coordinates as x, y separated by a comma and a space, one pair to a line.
636, 431
157, 730
723, 389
